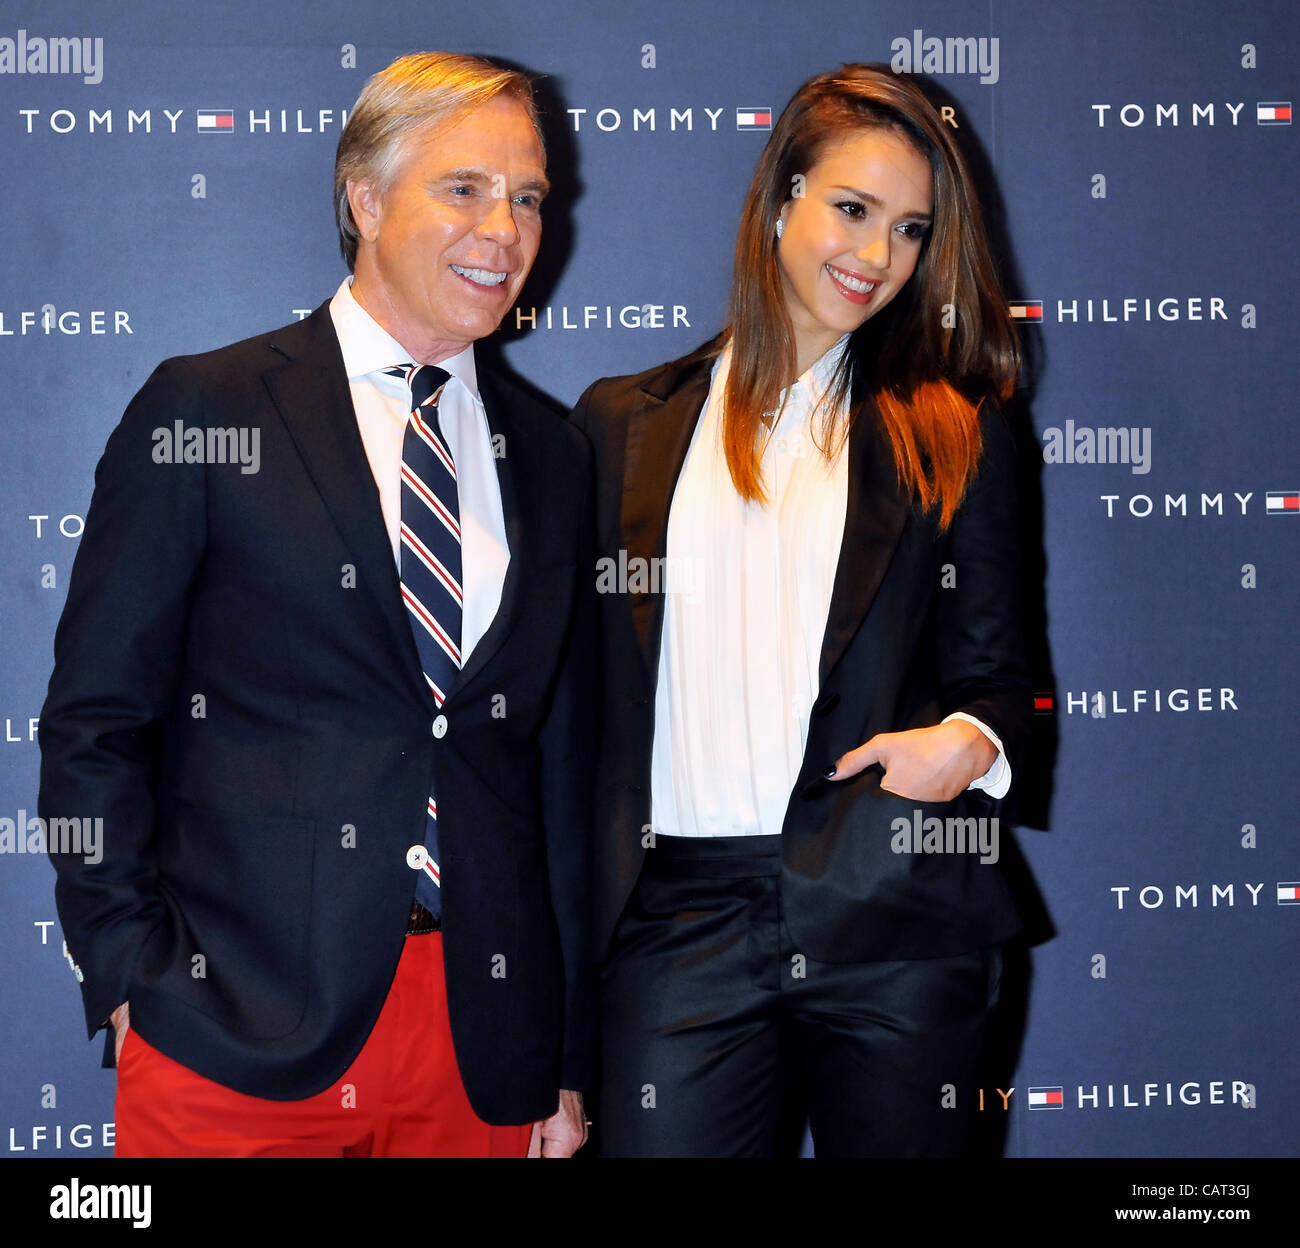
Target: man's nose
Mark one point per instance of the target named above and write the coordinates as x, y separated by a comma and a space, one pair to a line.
499, 224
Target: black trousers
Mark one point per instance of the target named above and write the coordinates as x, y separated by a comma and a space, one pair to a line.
716, 1026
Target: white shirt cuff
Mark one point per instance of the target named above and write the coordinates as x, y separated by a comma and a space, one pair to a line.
996, 782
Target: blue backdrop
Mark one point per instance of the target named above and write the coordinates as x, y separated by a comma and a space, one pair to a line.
1140, 168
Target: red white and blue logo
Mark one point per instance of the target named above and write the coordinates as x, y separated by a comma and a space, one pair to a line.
753, 118
215, 120
1047, 1098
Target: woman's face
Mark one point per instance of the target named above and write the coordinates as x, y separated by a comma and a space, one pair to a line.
852, 239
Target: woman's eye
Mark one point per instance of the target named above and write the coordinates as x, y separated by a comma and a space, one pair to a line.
913, 230
851, 208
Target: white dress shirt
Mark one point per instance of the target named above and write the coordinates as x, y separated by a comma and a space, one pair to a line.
748, 594
382, 404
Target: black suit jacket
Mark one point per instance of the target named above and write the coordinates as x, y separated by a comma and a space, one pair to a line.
898, 652
237, 694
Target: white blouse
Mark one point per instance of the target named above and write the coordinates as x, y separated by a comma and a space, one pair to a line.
748, 592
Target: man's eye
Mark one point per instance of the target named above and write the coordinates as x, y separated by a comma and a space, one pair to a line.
462, 189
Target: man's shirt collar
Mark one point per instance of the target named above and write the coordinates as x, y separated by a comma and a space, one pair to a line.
367, 347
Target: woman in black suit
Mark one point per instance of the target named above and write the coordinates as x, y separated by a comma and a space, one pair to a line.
815, 690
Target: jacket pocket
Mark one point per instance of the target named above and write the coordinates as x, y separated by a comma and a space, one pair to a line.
238, 889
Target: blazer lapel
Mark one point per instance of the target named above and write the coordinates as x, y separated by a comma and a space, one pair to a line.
312, 396
876, 514
658, 436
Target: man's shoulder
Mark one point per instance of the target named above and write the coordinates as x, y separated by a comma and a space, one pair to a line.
207, 385
253, 355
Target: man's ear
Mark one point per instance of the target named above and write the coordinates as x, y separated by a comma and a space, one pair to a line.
366, 203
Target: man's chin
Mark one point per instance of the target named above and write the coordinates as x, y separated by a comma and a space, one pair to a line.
475, 323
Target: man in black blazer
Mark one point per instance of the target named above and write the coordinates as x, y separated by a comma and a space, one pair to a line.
896, 655
238, 692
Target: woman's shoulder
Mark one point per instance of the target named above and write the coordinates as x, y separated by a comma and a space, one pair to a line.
997, 425
613, 397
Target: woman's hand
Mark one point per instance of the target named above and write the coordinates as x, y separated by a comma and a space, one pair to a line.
927, 764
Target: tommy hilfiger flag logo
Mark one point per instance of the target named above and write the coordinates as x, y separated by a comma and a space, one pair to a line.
216, 120
753, 119
1026, 310
1288, 894
1282, 502
1276, 113
1047, 1098
1043, 704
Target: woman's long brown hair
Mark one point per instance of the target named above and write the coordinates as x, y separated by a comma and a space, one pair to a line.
927, 359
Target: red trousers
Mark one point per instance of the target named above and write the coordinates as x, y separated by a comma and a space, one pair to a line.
401, 1097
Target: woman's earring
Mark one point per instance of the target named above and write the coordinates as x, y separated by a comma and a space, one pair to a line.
780, 228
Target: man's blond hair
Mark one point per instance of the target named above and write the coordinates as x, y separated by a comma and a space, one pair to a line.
416, 94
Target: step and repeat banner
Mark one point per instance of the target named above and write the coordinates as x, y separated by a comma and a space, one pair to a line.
167, 190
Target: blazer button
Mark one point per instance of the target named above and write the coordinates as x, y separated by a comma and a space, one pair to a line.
440, 726
416, 857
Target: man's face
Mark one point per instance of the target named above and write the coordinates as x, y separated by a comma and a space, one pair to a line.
445, 250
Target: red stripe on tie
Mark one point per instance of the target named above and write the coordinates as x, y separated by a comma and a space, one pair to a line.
431, 500
433, 808
432, 868
434, 443
421, 613
432, 562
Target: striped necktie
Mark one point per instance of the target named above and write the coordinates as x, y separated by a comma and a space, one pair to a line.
431, 573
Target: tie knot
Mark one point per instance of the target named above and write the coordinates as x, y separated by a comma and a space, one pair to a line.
426, 381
